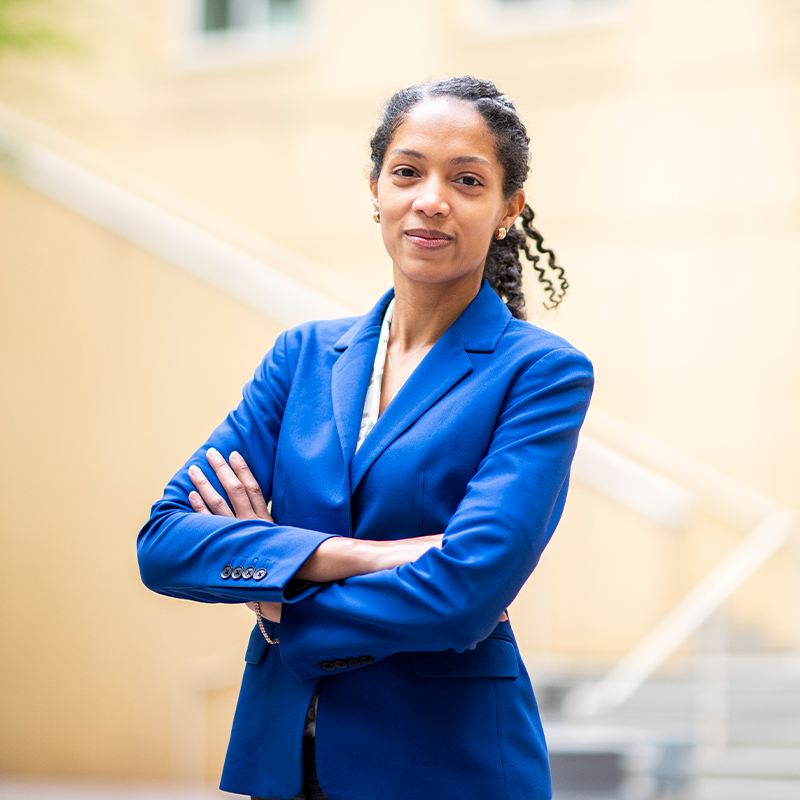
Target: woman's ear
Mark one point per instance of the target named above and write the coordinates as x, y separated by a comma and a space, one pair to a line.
513, 208
373, 190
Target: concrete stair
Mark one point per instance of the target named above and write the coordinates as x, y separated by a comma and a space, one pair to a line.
742, 716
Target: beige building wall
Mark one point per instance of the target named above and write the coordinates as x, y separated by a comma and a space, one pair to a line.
666, 176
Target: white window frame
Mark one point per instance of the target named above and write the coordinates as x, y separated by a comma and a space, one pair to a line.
526, 17
194, 48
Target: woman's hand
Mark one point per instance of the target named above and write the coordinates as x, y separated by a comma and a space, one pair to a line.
237, 481
245, 495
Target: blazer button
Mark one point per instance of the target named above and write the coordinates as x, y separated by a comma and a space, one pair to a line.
248, 573
340, 663
237, 573
226, 571
366, 659
354, 662
259, 574
327, 666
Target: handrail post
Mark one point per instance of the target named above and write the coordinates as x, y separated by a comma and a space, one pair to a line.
793, 592
711, 686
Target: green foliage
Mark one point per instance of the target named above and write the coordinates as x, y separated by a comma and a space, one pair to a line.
25, 25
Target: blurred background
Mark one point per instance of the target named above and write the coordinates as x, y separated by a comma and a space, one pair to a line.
180, 180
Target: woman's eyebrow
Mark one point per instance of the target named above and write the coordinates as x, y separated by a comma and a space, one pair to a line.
471, 160
403, 151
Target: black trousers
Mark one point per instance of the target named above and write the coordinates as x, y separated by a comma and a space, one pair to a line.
311, 787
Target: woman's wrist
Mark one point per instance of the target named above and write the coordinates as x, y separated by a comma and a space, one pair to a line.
341, 557
335, 559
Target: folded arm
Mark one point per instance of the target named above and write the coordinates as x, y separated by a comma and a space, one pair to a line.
452, 597
193, 555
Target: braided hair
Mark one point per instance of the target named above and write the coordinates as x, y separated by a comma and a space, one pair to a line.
503, 267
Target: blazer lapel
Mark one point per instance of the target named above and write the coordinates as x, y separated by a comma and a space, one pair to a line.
441, 369
351, 373
448, 363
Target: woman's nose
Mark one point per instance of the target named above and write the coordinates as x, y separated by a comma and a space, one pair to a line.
431, 198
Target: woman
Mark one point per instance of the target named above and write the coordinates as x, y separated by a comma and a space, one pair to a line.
417, 461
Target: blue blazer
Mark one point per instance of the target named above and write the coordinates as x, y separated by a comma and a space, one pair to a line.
422, 693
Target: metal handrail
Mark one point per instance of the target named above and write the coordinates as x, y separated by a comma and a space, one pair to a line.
770, 527
684, 620
236, 260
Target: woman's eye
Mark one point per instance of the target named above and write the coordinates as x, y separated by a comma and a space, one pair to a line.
469, 180
405, 172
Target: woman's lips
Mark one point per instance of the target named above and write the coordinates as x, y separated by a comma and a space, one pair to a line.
422, 237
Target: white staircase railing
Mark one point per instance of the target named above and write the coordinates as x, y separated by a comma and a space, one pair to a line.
684, 620
770, 528
170, 226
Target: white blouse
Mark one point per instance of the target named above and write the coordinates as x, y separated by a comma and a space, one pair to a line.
372, 402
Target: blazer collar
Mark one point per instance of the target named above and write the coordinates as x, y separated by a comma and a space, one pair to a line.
477, 330
480, 325
483, 321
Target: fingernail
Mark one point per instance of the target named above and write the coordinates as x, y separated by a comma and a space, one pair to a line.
193, 470
235, 455
212, 451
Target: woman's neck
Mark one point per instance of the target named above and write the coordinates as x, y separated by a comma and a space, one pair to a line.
424, 311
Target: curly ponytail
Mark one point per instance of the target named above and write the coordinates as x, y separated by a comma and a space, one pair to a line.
503, 267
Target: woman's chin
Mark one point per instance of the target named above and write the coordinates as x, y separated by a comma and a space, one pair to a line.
429, 273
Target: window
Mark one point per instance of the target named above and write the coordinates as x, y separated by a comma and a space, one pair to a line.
553, 5
250, 15
212, 34
511, 17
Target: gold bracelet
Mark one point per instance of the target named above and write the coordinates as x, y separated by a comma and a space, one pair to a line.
257, 604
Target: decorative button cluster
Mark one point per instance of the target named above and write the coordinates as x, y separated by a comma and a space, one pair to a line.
341, 663
250, 573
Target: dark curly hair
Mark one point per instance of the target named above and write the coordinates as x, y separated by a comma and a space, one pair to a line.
503, 267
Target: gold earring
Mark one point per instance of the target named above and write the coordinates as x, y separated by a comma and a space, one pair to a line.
501, 233
376, 215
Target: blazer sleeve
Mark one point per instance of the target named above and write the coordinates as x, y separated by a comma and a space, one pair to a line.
453, 597
185, 554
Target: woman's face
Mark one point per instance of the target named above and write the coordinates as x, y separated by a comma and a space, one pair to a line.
440, 194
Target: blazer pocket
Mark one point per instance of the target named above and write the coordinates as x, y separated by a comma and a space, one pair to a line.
257, 645
494, 657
